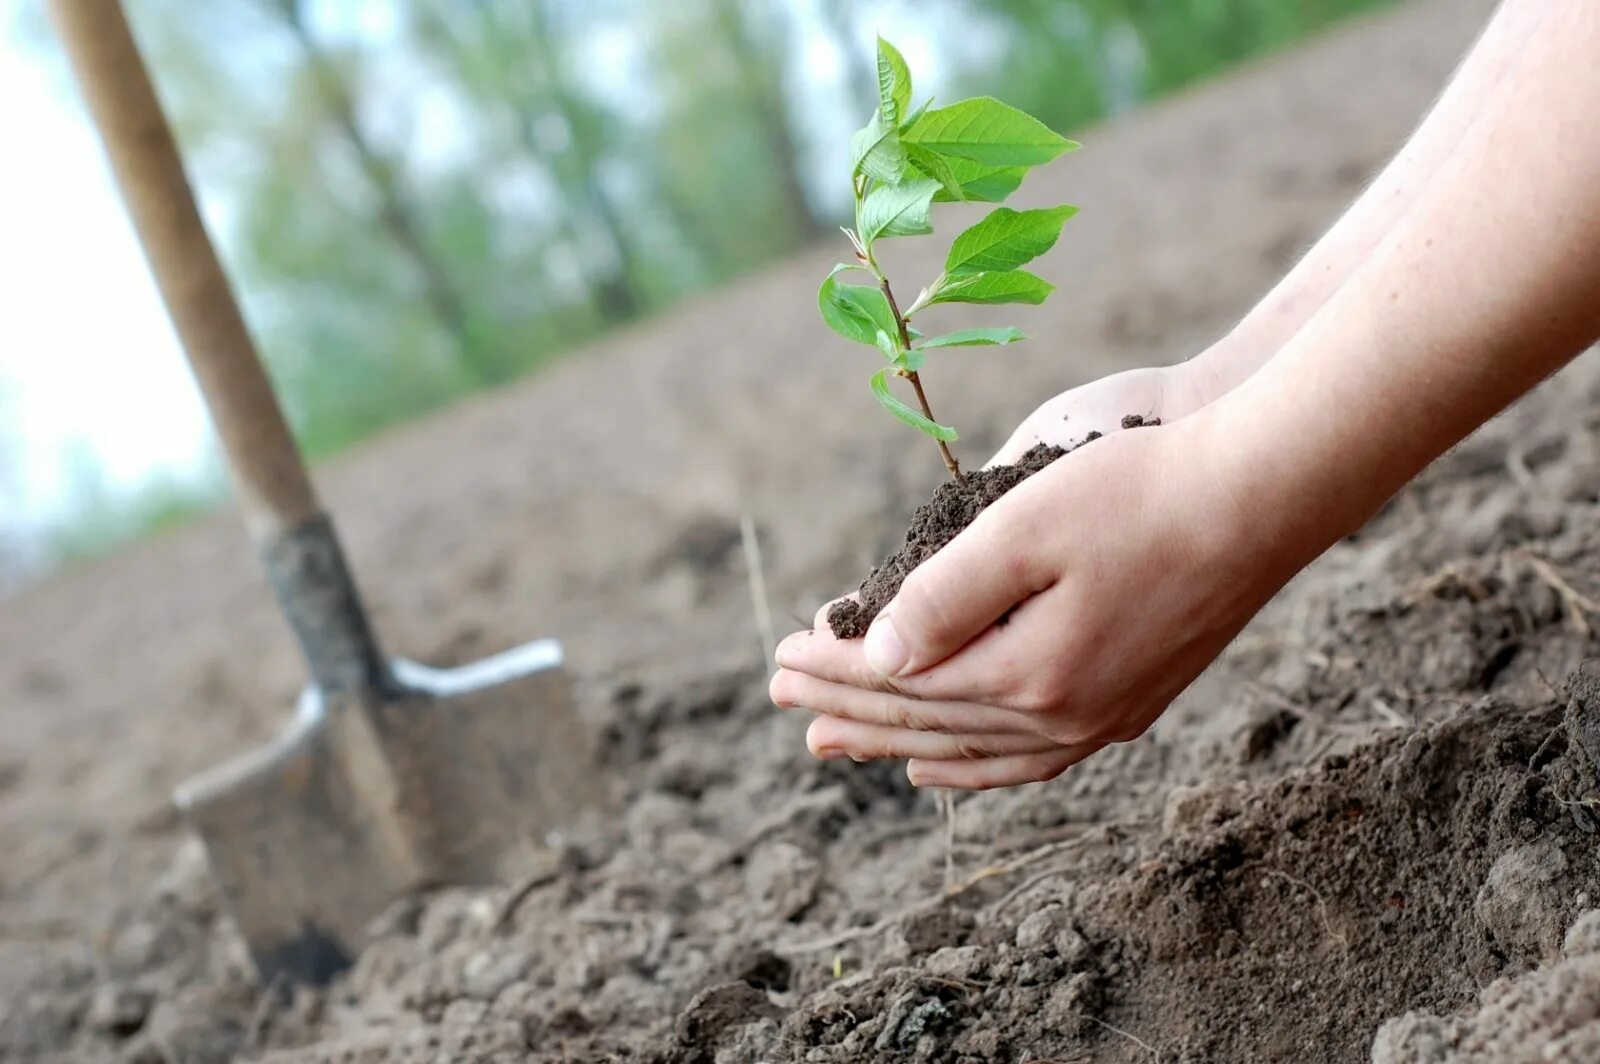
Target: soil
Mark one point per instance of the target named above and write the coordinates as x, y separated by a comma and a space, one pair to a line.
1369, 832
955, 505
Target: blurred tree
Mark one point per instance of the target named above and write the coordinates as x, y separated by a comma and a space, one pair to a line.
333, 82
1070, 63
760, 58
508, 59
856, 54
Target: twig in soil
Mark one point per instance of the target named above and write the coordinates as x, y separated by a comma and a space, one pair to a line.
1004, 868
1125, 1034
812, 801
1307, 716
1560, 727
947, 808
1027, 885
1129, 1035
519, 894
1322, 905
816, 945
272, 997
758, 589
1579, 605
1392, 715
1517, 467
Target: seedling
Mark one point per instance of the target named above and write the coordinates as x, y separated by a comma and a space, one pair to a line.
902, 163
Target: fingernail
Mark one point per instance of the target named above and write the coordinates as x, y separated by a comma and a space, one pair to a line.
921, 777
883, 649
830, 753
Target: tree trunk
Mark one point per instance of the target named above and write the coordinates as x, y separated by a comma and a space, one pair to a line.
761, 80
395, 210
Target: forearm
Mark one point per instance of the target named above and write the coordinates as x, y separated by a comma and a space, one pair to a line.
1387, 200
1489, 283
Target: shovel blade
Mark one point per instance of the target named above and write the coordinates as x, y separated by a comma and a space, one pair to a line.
460, 778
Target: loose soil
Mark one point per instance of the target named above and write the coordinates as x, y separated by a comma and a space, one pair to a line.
1369, 832
955, 505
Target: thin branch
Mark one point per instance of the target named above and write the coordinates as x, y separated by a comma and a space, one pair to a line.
916, 381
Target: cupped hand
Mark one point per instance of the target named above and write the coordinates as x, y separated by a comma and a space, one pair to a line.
1066, 617
1161, 393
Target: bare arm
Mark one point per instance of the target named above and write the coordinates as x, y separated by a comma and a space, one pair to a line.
1177, 391
1385, 203
1488, 282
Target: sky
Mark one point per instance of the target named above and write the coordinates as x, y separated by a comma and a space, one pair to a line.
90, 371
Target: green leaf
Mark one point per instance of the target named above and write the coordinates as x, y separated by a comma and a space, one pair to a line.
875, 150
1012, 286
855, 311
888, 344
1006, 334
894, 84
980, 183
1006, 239
880, 389
910, 120
938, 168
896, 210
988, 131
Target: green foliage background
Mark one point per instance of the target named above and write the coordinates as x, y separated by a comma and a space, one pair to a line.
427, 197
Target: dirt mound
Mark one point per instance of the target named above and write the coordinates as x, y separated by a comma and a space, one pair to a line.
1287, 872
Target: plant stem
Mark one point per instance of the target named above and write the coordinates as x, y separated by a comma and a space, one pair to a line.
916, 381
927, 412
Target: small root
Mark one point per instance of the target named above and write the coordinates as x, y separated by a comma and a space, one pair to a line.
1004, 868
1322, 905
1579, 605
1129, 1035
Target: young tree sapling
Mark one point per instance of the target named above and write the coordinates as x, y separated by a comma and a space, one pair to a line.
902, 162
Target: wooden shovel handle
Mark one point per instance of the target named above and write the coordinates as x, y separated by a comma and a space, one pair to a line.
273, 486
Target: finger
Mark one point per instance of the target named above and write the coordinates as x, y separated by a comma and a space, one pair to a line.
818, 653
1022, 440
833, 737
989, 671
991, 566
988, 773
1022, 666
820, 621
798, 690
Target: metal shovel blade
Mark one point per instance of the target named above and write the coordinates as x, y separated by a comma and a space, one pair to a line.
459, 778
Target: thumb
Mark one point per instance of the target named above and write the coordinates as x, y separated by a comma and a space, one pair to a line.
954, 596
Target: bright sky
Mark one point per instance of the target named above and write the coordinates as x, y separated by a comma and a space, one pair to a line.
88, 362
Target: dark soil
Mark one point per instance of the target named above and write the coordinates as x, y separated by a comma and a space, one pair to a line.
955, 505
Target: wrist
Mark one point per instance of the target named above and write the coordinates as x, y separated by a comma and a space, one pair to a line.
1292, 482
1233, 359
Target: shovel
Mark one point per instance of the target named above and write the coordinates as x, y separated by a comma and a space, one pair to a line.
393, 776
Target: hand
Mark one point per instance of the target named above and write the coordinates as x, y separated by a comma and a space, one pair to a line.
1166, 393
1121, 571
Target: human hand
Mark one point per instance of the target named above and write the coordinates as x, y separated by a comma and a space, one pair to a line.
1120, 571
1160, 393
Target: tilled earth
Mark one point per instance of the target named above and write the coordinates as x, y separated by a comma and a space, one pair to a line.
1371, 830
